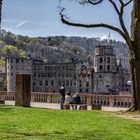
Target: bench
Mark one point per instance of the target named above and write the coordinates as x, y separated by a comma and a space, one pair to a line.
94, 107
83, 106
71, 106
90, 107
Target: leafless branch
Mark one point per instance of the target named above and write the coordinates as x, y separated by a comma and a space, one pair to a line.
95, 2
123, 32
122, 22
121, 2
128, 2
120, 13
125, 4
92, 26
115, 6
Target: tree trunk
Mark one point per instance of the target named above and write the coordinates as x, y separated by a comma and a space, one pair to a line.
135, 54
137, 84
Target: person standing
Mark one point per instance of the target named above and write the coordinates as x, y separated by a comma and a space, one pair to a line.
62, 96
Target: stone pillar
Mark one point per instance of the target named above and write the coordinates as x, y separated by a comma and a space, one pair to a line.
23, 90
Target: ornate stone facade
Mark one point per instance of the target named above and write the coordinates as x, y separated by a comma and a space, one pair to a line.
106, 70
105, 76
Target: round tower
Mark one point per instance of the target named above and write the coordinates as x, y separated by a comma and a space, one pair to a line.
105, 67
104, 60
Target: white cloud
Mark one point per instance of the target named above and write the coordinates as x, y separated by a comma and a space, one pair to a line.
21, 24
104, 37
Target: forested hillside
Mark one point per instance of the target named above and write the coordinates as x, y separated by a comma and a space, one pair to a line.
58, 48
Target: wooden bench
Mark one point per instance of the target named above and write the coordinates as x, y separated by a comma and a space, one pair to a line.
83, 106
67, 106
94, 107
71, 106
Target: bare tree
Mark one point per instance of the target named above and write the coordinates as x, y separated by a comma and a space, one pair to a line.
133, 40
0, 12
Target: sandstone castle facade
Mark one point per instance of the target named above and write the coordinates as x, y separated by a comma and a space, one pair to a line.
105, 76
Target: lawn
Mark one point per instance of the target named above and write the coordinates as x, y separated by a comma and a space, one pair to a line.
43, 124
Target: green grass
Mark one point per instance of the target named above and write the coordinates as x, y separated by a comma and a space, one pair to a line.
44, 124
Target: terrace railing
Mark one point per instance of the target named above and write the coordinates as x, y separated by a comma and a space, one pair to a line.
104, 100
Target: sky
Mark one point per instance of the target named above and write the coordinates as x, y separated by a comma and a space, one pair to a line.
41, 18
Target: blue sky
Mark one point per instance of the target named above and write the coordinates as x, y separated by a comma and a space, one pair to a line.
41, 18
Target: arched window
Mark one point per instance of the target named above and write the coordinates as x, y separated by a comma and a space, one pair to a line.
100, 67
108, 59
101, 60
108, 67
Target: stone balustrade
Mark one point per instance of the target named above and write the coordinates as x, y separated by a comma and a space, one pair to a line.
7, 95
104, 100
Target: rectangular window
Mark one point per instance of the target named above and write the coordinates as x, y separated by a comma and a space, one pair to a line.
67, 83
101, 60
46, 83
52, 83
87, 84
17, 60
40, 83
108, 60
71, 83
11, 73
100, 67
108, 67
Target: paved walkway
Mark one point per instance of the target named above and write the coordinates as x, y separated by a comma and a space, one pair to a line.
57, 106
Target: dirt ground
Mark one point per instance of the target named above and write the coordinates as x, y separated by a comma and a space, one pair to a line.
127, 115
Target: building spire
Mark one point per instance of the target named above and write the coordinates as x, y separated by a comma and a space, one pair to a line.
108, 39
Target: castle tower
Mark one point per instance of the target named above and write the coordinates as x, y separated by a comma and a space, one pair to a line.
104, 60
105, 67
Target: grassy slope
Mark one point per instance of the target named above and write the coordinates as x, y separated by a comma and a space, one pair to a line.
42, 124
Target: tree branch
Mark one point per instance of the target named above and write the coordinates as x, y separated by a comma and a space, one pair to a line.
115, 6
94, 3
125, 4
122, 22
123, 32
93, 26
128, 2
120, 14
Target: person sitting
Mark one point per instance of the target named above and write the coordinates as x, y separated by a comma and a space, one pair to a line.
77, 100
68, 99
